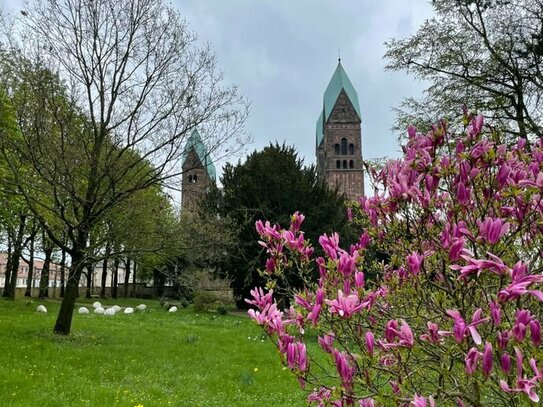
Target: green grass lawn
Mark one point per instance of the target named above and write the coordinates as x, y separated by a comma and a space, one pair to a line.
149, 358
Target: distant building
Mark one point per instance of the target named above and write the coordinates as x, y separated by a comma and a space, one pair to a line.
199, 173
339, 138
54, 275
23, 271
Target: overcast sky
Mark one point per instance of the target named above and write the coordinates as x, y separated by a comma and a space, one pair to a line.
282, 54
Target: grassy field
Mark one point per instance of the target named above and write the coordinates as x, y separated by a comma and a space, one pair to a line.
147, 359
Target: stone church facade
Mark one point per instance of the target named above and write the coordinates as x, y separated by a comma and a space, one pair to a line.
339, 138
199, 173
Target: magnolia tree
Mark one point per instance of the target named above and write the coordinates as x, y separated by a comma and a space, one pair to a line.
453, 314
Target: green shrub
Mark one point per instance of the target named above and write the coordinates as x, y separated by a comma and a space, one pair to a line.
204, 301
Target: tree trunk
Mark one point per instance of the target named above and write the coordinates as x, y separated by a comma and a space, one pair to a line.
30, 279
44, 279
159, 281
15, 258
115, 278
90, 270
7, 274
62, 272
126, 277
134, 280
63, 323
104, 279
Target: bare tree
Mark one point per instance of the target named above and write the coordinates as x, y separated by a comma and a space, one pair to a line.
128, 85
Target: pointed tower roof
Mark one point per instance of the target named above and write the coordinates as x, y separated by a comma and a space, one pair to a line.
340, 81
195, 142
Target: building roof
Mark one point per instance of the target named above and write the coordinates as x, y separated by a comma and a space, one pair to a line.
195, 142
340, 81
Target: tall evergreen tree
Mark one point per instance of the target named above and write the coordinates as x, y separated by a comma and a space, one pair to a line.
271, 185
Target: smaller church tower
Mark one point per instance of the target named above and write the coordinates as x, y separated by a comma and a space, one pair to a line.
339, 138
198, 172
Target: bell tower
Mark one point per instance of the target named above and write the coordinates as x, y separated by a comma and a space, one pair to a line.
199, 173
339, 137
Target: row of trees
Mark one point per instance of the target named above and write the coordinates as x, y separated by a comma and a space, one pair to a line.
97, 100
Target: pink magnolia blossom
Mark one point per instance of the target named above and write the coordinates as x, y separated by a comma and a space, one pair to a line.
472, 359
269, 317
297, 356
330, 244
495, 265
367, 403
491, 230
522, 386
346, 263
344, 368
397, 338
433, 334
326, 342
359, 279
260, 300
461, 329
505, 362
345, 306
522, 321
487, 359
414, 262
419, 401
296, 221
369, 342
495, 313
520, 283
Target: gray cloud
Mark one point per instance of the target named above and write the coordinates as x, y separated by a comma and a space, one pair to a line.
282, 53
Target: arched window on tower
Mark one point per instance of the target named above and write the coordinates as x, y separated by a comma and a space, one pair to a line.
336, 149
190, 178
343, 146
338, 163
351, 164
195, 178
351, 149
345, 164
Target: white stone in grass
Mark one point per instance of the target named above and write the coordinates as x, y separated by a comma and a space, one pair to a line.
99, 310
173, 309
110, 311
41, 308
142, 307
96, 305
116, 308
83, 310
129, 310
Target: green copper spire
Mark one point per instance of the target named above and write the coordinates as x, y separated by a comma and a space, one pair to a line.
339, 81
195, 141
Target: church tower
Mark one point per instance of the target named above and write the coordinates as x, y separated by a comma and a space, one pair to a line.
339, 139
198, 172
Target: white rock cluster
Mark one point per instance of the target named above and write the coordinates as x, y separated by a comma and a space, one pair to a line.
110, 311
42, 309
100, 309
173, 309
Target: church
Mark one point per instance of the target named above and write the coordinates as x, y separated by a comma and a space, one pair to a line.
339, 137
338, 147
